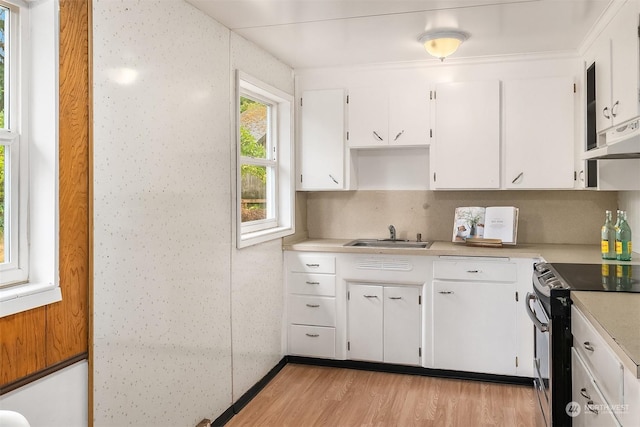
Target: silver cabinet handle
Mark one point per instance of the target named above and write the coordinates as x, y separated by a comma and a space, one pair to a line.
587, 345
398, 135
581, 175
474, 271
313, 305
613, 109
517, 177
313, 335
313, 265
312, 283
377, 136
333, 179
445, 292
395, 297
583, 392
591, 407
370, 296
605, 113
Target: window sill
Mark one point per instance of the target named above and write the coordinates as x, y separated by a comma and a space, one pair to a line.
18, 298
250, 239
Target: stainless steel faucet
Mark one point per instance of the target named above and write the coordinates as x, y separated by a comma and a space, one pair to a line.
392, 231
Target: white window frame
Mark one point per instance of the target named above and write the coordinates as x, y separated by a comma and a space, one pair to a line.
34, 282
281, 191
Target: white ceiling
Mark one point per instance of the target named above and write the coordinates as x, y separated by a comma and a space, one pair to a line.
320, 33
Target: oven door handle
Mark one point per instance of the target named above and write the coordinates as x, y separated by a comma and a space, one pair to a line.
544, 327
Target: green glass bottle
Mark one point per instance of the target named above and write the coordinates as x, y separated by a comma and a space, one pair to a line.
608, 238
623, 239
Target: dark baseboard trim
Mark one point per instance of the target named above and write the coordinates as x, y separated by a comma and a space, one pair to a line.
6, 388
250, 394
363, 366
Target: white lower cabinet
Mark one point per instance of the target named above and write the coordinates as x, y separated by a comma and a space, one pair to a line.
384, 323
474, 327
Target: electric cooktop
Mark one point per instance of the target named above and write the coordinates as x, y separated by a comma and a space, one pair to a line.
598, 277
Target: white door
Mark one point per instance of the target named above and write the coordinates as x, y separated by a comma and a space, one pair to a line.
539, 139
402, 325
467, 135
474, 327
364, 314
368, 117
409, 115
322, 137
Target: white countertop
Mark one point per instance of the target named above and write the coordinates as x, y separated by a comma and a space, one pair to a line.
616, 315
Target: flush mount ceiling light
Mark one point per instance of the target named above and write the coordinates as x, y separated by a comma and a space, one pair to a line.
442, 43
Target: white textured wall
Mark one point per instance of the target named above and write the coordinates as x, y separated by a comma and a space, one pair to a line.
257, 292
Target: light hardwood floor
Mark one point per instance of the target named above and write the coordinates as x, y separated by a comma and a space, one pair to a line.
302, 395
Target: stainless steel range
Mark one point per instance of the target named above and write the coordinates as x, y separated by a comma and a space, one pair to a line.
549, 307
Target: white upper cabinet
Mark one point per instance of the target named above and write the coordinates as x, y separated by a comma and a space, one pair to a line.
467, 135
321, 152
380, 117
615, 55
539, 133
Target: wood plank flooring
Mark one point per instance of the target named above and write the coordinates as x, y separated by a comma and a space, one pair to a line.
302, 395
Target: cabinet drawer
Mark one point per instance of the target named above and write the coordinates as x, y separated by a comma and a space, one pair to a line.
308, 310
312, 341
607, 370
311, 263
312, 284
592, 407
475, 270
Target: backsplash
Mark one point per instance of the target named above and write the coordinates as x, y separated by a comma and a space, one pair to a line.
545, 216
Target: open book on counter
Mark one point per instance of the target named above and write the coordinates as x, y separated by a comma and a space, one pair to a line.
493, 223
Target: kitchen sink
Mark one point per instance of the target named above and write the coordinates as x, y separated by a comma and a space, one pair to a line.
388, 243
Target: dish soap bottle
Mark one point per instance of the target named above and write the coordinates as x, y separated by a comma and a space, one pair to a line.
623, 239
608, 238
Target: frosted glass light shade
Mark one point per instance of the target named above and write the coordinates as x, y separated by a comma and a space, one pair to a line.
442, 43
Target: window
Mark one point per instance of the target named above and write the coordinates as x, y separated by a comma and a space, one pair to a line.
28, 155
265, 152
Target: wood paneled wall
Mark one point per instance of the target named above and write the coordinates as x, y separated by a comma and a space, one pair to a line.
37, 341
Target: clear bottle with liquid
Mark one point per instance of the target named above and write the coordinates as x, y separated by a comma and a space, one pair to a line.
623, 239
608, 238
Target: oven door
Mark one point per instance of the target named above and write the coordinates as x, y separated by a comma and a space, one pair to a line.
541, 358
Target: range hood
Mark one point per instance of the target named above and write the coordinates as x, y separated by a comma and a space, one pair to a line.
619, 142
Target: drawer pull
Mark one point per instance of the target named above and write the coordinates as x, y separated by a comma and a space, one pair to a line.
583, 392
588, 346
313, 265
395, 297
313, 335
445, 292
474, 271
312, 283
370, 296
313, 305
591, 407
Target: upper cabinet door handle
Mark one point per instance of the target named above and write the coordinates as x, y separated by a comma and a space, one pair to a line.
605, 113
398, 135
378, 137
613, 109
333, 179
517, 177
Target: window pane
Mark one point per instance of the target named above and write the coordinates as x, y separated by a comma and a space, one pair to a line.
3, 211
254, 128
255, 189
4, 14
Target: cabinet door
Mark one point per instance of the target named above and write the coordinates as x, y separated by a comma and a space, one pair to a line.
402, 325
321, 149
467, 135
624, 63
539, 139
474, 327
601, 54
365, 322
368, 117
409, 116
